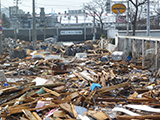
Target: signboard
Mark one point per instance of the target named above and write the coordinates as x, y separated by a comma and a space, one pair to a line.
1, 28
118, 8
71, 32
1, 21
121, 19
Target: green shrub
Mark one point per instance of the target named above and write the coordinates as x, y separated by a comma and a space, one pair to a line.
104, 36
112, 40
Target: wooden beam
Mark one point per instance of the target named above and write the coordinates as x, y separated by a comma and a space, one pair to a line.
51, 92
29, 115
107, 89
37, 116
143, 117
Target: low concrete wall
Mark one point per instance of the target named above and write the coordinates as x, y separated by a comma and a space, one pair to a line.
26, 34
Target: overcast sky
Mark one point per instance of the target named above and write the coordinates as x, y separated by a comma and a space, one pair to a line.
49, 5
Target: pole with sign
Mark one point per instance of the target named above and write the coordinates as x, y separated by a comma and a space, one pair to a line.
119, 9
1, 28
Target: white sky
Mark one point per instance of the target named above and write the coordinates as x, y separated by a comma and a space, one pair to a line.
49, 5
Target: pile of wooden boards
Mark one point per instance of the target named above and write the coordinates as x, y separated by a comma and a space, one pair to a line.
73, 88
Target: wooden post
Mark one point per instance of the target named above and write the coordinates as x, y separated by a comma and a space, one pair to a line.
116, 41
125, 44
156, 54
143, 53
134, 50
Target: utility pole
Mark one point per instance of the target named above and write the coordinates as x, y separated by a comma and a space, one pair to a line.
94, 31
126, 40
15, 31
43, 21
1, 52
84, 26
127, 17
34, 25
148, 32
148, 18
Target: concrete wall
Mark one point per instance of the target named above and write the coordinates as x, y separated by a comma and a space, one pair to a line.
26, 34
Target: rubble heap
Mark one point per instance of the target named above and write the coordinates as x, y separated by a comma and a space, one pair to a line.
87, 84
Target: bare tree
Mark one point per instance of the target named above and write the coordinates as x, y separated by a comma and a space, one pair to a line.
96, 9
135, 12
156, 7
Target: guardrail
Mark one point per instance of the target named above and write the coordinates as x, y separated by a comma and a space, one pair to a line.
155, 39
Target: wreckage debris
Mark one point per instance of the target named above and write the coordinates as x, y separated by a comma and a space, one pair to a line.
80, 81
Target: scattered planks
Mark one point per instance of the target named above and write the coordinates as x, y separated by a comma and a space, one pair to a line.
143, 117
107, 89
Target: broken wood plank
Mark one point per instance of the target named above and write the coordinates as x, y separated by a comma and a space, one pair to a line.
67, 107
144, 108
79, 76
47, 85
100, 116
134, 95
29, 115
59, 113
71, 96
143, 117
109, 99
37, 116
52, 92
20, 99
103, 81
8, 88
19, 109
107, 89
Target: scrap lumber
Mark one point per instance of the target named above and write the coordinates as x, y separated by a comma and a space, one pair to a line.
85, 77
6, 89
103, 81
20, 99
97, 115
107, 115
109, 99
66, 93
22, 118
134, 95
107, 89
140, 100
79, 76
100, 115
16, 95
29, 115
144, 108
52, 92
67, 107
71, 96
19, 109
36, 116
59, 113
47, 85
143, 117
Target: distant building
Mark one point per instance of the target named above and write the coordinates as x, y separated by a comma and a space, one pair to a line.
76, 11
12, 11
12, 15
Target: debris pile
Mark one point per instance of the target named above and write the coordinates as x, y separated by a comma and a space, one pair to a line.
89, 83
